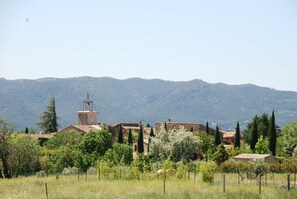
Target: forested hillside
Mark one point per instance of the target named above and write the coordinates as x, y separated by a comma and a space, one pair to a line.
23, 101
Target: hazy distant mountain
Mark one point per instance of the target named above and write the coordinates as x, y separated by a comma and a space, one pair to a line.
23, 101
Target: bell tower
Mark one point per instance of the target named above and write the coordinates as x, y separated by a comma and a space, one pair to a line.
87, 116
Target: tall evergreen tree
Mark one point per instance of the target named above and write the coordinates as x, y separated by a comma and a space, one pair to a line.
120, 136
255, 133
26, 130
48, 121
264, 125
191, 129
152, 132
237, 136
207, 128
217, 137
272, 140
130, 138
140, 147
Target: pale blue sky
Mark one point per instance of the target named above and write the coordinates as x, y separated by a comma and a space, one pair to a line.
233, 42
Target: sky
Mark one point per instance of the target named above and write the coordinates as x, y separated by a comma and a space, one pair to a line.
233, 42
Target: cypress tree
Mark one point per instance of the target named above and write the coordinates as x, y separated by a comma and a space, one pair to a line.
130, 138
217, 137
120, 136
140, 147
152, 132
255, 133
237, 136
165, 126
272, 144
191, 129
207, 128
26, 130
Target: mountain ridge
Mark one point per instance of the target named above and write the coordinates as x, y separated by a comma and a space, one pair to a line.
22, 101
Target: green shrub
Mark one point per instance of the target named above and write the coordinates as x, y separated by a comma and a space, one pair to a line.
132, 173
40, 174
182, 172
207, 170
70, 171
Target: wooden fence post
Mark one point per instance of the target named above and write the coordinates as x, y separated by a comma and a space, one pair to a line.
288, 178
260, 191
164, 182
46, 192
224, 183
189, 174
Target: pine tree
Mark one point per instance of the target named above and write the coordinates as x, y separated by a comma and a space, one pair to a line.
48, 121
237, 136
221, 154
217, 137
120, 136
207, 128
272, 141
130, 138
255, 133
140, 147
264, 126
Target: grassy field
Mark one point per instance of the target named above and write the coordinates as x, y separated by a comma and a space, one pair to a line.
70, 187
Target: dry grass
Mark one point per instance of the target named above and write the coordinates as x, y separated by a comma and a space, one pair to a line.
71, 187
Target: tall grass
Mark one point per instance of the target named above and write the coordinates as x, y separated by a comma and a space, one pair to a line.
66, 187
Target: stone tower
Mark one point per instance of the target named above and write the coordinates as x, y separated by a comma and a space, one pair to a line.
88, 116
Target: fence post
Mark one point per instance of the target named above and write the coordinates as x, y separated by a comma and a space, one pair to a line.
224, 183
288, 178
46, 192
164, 183
260, 191
189, 174
238, 175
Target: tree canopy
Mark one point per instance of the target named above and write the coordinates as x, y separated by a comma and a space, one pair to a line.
179, 145
48, 121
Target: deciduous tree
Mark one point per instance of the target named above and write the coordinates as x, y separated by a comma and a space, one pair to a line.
6, 129
262, 146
